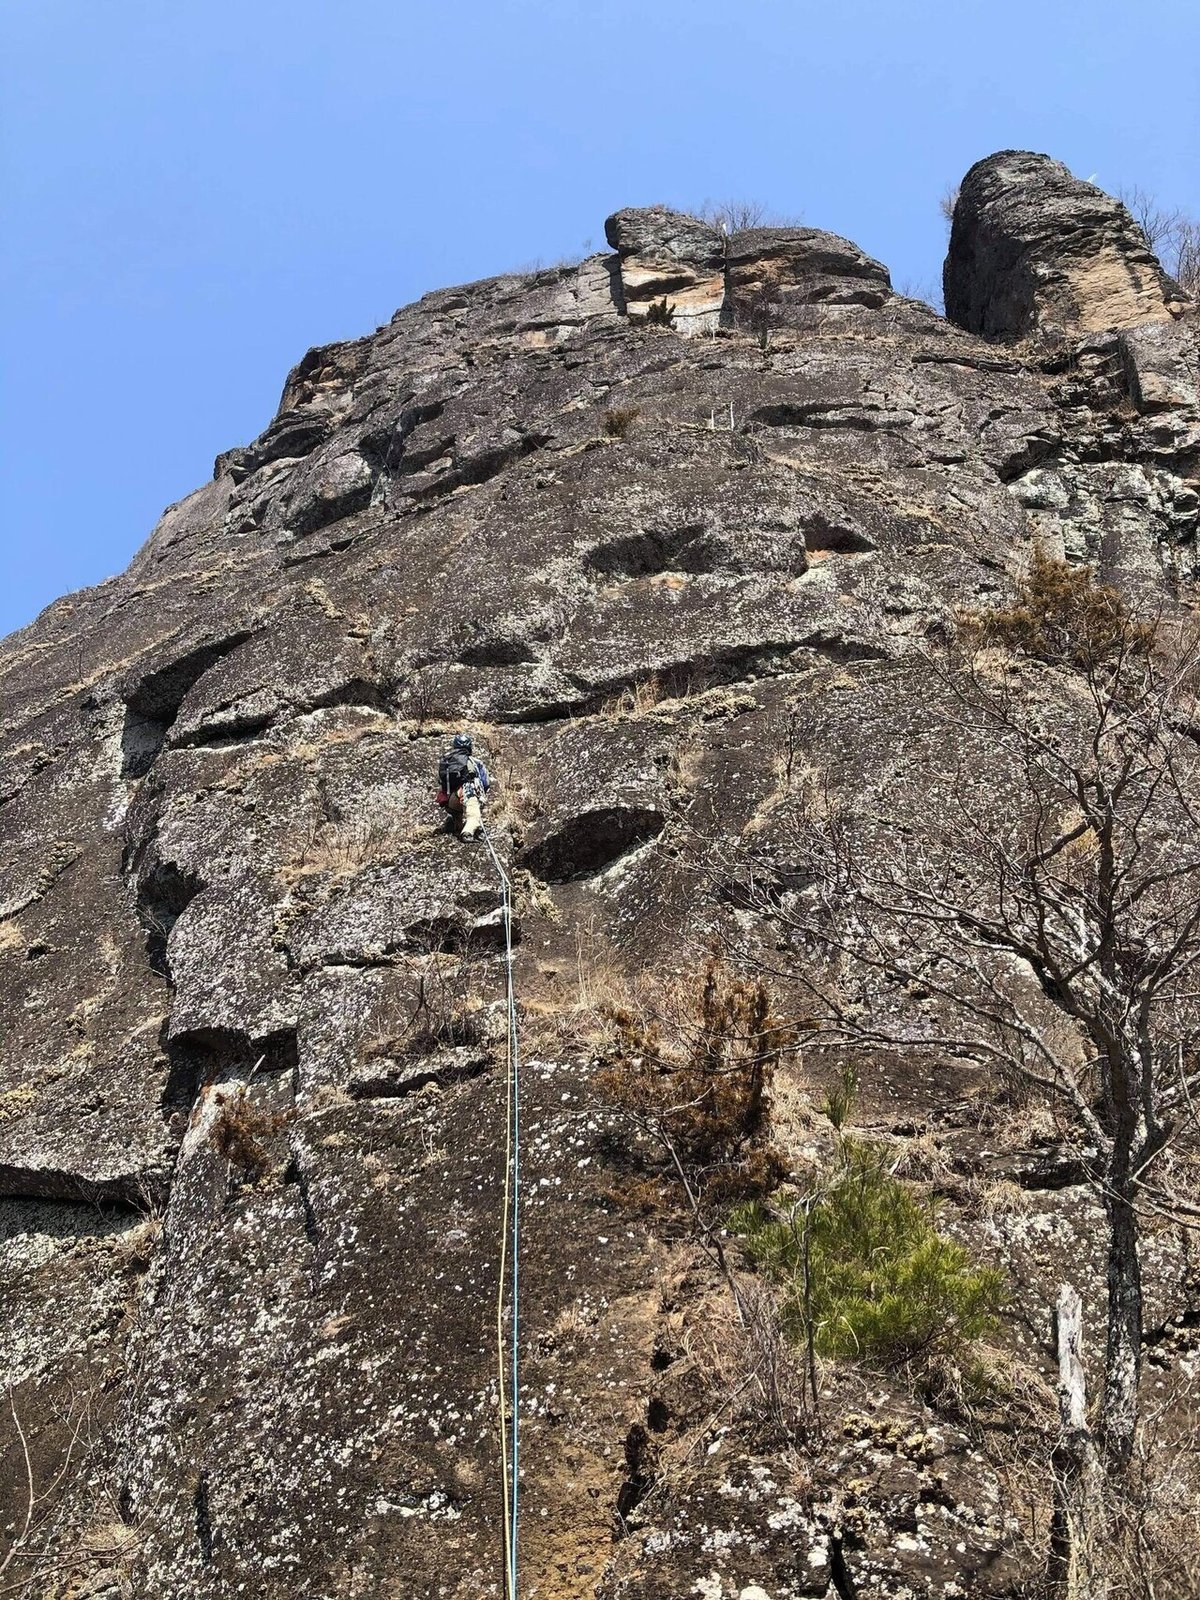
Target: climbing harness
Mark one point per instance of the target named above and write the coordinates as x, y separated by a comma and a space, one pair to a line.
510, 1239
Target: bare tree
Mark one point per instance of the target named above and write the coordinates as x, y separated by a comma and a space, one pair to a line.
1186, 265
1053, 933
731, 216
930, 293
1158, 223
1170, 232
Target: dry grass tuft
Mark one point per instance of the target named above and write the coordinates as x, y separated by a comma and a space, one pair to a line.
749, 1370
512, 798
658, 691
445, 1013
431, 1028
923, 1158
1001, 1198
243, 1132
635, 699
344, 849
366, 723
572, 1013
620, 419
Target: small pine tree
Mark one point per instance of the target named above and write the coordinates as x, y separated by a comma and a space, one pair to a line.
865, 1265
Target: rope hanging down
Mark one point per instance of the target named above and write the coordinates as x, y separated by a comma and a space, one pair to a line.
510, 1239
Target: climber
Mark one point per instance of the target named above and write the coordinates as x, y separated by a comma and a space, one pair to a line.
462, 784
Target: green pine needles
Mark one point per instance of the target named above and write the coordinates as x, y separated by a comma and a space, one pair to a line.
865, 1269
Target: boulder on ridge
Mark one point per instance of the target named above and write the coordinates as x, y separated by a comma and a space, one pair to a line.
668, 255
1033, 249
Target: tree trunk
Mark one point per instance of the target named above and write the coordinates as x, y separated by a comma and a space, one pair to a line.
1075, 1571
1123, 1354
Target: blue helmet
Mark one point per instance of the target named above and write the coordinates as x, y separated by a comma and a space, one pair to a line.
462, 741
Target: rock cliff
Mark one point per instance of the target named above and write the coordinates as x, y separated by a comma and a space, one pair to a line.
1034, 249
250, 1085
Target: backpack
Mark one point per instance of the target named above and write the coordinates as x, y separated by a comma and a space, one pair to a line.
454, 770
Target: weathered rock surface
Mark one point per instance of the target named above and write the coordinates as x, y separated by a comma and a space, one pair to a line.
251, 1097
757, 278
667, 255
774, 271
1035, 249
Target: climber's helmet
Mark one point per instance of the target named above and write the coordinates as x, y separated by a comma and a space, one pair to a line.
462, 741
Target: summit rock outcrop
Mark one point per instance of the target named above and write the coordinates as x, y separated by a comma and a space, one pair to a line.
251, 996
754, 278
1033, 249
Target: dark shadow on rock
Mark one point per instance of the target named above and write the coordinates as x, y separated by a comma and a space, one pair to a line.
220, 731
296, 1173
200, 1504
460, 933
152, 703
586, 843
612, 266
641, 1462
59, 1216
501, 651
687, 549
223, 1055
325, 510
821, 534
137, 1191
164, 892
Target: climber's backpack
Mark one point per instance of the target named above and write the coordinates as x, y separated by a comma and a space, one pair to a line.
454, 771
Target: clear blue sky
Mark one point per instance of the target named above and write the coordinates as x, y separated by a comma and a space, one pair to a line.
192, 192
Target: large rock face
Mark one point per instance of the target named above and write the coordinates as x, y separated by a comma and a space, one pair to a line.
1034, 249
251, 1092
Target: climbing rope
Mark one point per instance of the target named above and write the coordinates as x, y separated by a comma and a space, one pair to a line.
510, 1239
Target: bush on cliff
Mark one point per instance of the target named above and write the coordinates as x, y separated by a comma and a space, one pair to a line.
865, 1271
1061, 614
619, 420
704, 1097
659, 314
243, 1133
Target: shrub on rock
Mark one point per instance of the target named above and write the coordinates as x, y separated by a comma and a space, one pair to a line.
1061, 614
865, 1269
